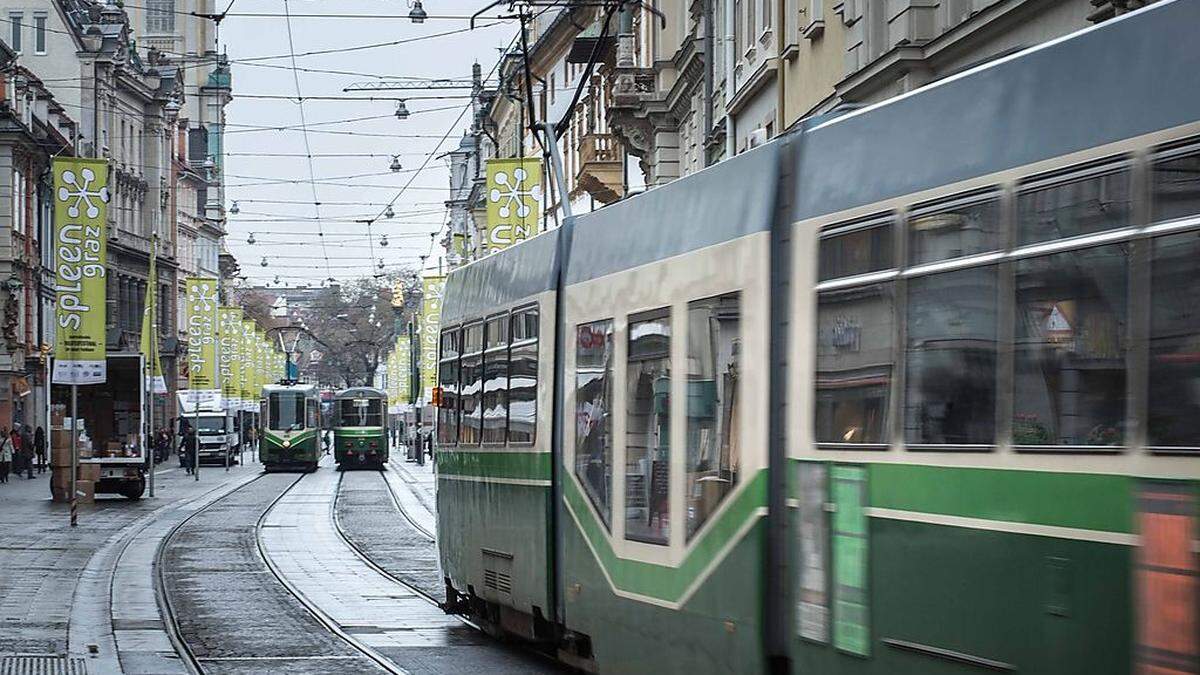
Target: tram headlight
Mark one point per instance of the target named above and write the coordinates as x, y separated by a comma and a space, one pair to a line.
287, 444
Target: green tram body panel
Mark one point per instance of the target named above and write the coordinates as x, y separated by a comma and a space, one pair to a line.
303, 447
360, 444
498, 504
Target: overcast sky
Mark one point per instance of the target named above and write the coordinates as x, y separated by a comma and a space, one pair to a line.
364, 183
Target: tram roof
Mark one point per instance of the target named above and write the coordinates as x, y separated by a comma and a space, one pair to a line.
300, 387
360, 392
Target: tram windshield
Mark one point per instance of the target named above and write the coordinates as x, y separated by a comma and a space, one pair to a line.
360, 412
286, 412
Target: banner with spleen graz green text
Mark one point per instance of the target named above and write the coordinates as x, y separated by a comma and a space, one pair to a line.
203, 353
80, 256
249, 388
231, 351
431, 328
403, 370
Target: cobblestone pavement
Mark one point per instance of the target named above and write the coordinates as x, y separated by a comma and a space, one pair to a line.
368, 517
52, 582
233, 613
300, 538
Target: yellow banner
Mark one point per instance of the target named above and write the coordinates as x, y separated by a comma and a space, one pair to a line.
403, 370
149, 342
246, 377
203, 356
514, 201
80, 256
230, 346
431, 327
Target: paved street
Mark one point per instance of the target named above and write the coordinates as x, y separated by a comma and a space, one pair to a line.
241, 572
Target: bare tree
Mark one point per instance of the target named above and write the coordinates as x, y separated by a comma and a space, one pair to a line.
354, 327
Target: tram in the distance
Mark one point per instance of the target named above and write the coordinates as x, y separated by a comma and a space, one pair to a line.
360, 435
290, 427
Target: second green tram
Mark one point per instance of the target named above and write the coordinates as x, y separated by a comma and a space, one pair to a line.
290, 427
360, 433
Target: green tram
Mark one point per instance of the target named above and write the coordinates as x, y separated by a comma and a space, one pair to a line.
913, 389
291, 427
360, 433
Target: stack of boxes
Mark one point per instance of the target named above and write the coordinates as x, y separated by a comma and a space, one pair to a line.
60, 459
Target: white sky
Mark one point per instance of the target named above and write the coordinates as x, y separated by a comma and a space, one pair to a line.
292, 246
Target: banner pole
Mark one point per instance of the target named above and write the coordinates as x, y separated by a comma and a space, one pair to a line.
196, 439
74, 453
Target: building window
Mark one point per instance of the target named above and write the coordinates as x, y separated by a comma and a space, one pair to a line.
523, 378
593, 418
1069, 356
448, 381
39, 33
16, 20
950, 358
160, 16
648, 428
471, 385
714, 453
1173, 415
495, 380
1094, 202
964, 226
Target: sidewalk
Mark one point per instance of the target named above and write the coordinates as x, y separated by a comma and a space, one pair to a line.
47, 568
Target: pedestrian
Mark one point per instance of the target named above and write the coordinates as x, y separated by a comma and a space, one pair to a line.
6, 454
39, 447
18, 459
187, 454
27, 449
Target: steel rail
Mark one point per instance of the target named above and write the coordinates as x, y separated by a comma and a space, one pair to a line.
163, 599
316, 612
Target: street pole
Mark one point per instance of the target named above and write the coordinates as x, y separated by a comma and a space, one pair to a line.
74, 452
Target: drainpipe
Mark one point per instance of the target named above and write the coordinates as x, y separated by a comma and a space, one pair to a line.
709, 52
730, 56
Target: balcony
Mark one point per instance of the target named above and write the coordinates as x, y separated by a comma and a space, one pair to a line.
601, 167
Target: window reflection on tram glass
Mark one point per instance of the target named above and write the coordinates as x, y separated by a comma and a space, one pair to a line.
448, 381
495, 380
522, 378
713, 443
966, 229
1174, 383
648, 428
854, 363
862, 250
1176, 184
286, 412
950, 383
471, 386
360, 412
593, 408
1069, 355
1073, 208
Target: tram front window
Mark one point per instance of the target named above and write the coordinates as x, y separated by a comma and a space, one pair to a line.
361, 412
287, 412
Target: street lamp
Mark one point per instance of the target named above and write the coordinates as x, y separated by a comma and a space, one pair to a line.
234, 209
395, 166
401, 110
264, 261
250, 239
389, 212
418, 13
383, 241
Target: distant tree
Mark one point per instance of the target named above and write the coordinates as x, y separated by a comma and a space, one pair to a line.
353, 327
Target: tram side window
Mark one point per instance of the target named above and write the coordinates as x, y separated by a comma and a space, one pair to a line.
1176, 186
968, 226
855, 363
593, 413
523, 377
714, 454
1069, 354
471, 392
1076, 207
648, 428
310, 419
1173, 419
950, 365
448, 381
858, 249
495, 380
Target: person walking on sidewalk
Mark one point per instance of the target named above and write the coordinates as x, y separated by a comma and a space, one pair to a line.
18, 458
27, 450
187, 453
6, 454
39, 448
